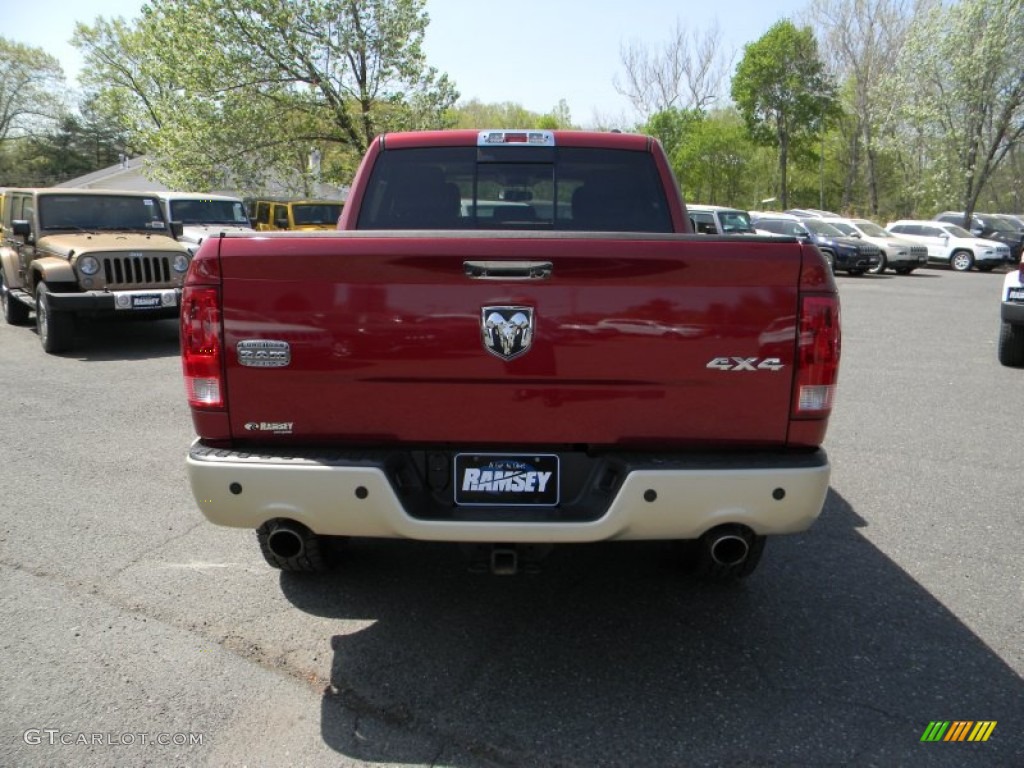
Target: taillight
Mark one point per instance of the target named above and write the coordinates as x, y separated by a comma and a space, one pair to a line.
201, 347
817, 356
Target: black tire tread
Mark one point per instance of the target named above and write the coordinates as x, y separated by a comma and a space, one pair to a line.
61, 335
1011, 345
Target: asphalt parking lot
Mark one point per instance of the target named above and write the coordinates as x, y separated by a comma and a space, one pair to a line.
137, 634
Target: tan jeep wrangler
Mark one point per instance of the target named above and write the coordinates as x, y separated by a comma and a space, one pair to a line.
70, 252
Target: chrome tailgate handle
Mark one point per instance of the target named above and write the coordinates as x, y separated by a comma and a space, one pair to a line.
507, 270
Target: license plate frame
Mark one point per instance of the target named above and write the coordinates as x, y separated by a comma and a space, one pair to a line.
146, 301
507, 479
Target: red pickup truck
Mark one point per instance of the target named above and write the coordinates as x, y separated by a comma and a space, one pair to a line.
514, 341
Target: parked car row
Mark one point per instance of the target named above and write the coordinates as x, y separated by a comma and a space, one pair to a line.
857, 245
843, 253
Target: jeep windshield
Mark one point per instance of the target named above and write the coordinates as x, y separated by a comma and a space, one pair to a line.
207, 211
79, 213
536, 188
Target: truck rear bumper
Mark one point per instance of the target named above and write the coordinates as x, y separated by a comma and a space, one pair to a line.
669, 498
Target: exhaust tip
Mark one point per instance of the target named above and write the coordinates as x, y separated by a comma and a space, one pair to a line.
729, 549
285, 542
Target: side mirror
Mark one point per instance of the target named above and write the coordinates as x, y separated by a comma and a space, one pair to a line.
281, 222
177, 230
22, 228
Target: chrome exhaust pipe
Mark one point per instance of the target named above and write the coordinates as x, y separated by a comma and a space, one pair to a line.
286, 541
728, 549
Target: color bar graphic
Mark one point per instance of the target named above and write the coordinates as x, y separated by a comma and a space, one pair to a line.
958, 730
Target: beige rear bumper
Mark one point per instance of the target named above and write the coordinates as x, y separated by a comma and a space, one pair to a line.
241, 490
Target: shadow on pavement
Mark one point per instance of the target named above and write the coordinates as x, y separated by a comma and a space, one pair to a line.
128, 339
828, 654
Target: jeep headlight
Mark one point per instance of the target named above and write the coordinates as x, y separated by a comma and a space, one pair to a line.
180, 263
88, 265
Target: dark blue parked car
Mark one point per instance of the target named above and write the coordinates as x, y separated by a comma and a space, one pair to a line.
842, 253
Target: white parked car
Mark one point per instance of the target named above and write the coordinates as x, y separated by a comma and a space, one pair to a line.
898, 253
1011, 332
719, 220
202, 215
952, 244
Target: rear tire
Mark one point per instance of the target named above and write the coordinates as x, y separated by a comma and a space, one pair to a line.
962, 261
1011, 345
880, 268
15, 313
56, 329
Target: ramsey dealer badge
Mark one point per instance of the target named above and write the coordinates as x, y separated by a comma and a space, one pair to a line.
507, 331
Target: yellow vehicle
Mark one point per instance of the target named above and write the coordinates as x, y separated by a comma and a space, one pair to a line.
274, 215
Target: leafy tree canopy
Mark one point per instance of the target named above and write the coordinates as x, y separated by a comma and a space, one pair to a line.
239, 89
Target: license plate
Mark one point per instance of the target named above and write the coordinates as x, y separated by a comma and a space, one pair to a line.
147, 301
1016, 293
489, 479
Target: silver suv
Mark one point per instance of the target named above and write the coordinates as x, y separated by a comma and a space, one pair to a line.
899, 254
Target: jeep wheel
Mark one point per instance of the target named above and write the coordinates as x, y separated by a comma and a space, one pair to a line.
962, 261
56, 329
1011, 345
15, 313
879, 269
293, 547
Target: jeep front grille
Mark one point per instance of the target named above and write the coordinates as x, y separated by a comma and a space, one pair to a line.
919, 251
136, 270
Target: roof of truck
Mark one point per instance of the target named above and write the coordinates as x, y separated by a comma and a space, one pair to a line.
464, 137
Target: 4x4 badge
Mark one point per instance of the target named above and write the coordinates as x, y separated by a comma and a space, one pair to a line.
507, 331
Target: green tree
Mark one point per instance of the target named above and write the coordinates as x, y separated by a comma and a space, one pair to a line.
960, 95
31, 87
783, 92
716, 163
670, 126
242, 88
862, 39
476, 114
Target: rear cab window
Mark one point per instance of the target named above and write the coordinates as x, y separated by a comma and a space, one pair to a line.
528, 188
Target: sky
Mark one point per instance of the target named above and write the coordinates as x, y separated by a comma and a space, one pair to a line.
530, 53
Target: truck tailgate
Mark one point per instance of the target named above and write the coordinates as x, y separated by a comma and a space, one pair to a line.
636, 340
